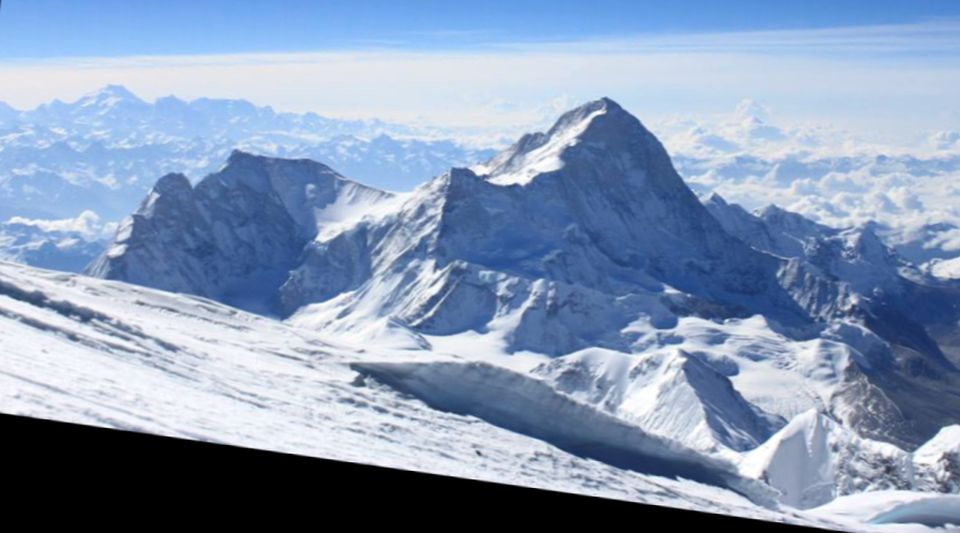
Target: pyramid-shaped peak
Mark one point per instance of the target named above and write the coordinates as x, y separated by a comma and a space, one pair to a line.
600, 123
112, 91
587, 113
602, 103
172, 183
715, 199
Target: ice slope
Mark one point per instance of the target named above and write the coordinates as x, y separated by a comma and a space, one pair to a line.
813, 460
115, 355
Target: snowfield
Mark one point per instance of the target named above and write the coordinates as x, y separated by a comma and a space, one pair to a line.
892, 508
114, 355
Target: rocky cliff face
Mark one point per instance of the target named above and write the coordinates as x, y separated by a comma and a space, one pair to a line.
237, 234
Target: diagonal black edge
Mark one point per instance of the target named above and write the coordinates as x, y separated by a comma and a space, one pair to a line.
48, 462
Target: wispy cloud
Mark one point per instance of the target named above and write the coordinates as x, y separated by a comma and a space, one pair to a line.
898, 77
939, 36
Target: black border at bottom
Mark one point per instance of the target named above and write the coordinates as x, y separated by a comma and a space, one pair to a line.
55, 463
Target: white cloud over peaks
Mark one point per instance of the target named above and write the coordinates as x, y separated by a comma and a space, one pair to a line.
945, 140
87, 224
947, 240
825, 173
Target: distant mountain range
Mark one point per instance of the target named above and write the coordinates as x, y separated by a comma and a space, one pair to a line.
103, 152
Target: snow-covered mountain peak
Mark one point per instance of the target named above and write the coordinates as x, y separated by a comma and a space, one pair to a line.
715, 198
580, 118
946, 441
172, 183
773, 212
597, 130
113, 91
606, 248
110, 97
938, 462
262, 173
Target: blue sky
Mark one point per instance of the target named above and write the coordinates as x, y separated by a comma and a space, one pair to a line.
876, 65
59, 28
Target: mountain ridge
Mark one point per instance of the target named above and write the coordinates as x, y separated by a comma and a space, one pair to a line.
601, 244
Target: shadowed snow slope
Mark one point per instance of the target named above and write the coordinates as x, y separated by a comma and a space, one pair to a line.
533, 407
813, 460
673, 394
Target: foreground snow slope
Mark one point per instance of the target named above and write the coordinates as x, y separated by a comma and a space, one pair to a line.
114, 355
897, 507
